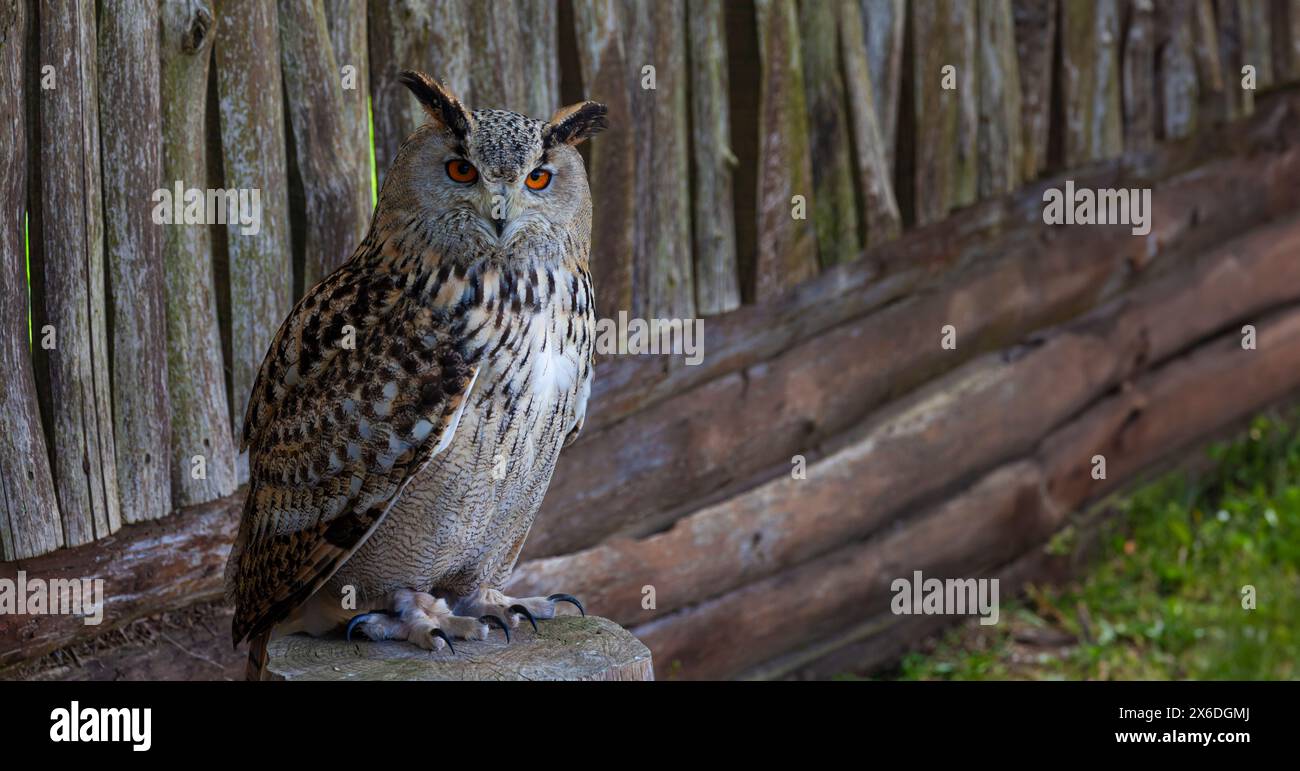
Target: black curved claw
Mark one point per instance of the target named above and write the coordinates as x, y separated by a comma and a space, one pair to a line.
526, 613
436, 632
568, 598
357, 619
491, 619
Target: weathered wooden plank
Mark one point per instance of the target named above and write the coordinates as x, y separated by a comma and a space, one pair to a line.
1256, 39
1035, 40
1286, 40
337, 194
1139, 76
130, 119
1209, 67
346, 20
717, 282
826, 382
834, 205
29, 515
663, 281
427, 35
786, 244
1231, 24
202, 452
79, 416
605, 67
515, 64
961, 27
254, 158
1001, 149
994, 408
1090, 51
873, 154
1177, 86
541, 56
884, 24
934, 109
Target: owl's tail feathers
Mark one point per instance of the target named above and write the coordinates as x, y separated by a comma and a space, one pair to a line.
256, 669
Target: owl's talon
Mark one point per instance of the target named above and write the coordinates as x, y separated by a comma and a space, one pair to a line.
491, 619
526, 613
436, 632
568, 598
359, 619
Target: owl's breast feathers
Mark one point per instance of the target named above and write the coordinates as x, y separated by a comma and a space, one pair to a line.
363, 384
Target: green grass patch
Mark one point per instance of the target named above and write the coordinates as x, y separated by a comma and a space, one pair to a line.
1163, 597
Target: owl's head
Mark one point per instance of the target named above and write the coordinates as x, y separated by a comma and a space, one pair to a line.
492, 177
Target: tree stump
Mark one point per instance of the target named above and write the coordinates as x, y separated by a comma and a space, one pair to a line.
566, 648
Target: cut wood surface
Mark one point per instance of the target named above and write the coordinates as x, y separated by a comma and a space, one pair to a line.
564, 648
68, 270
29, 514
202, 457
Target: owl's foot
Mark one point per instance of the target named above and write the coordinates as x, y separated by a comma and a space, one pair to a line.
490, 602
422, 620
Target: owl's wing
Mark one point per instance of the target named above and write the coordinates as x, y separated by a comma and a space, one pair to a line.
361, 387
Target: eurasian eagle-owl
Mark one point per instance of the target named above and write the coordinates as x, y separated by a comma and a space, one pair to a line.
407, 418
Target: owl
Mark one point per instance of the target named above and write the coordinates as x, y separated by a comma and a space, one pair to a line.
408, 415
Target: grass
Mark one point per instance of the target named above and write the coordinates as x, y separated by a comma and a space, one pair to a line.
1163, 596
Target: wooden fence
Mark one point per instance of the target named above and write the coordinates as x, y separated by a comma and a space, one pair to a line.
830, 182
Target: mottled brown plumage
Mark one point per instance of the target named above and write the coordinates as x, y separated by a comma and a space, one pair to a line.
408, 415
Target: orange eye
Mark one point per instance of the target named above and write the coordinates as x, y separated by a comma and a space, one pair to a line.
538, 179
461, 170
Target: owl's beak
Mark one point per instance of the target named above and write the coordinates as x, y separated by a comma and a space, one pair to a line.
497, 206
500, 225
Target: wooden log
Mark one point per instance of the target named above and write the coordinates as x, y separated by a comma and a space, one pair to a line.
1256, 40
253, 156
872, 153
1090, 65
1139, 75
884, 24
662, 273
196, 382
427, 35
966, 536
130, 121
148, 568
29, 515
810, 391
834, 205
346, 20
337, 207
1178, 90
1286, 40
717, 282
1001, 149
934, 110
602, 60
1035, 40
73, 372
786, 245
566, 648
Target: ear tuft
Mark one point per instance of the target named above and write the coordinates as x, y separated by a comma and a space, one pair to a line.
571, 125
439, 102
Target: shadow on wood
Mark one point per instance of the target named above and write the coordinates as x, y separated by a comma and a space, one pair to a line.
566, 648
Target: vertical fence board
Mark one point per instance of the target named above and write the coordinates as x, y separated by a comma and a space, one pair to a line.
196, 381
1001, 150
884, 22
1286, 40
717, 284
835, 209
1239, 102
427, 35
606, 73
72, 267
1139, 76
131, 129
1035, 41
1177, 84
961, 29
1090, 44
662, 284
786, 247
541, 56
346, 21
335, 217
1214, 103
254, 157
875, 178
497, 76
29, 515
934, 110
1256, 40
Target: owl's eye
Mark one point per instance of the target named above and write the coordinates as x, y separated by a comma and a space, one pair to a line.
461, 170
538, 179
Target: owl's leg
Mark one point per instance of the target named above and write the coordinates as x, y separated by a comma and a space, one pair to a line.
492, 602
420, 619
